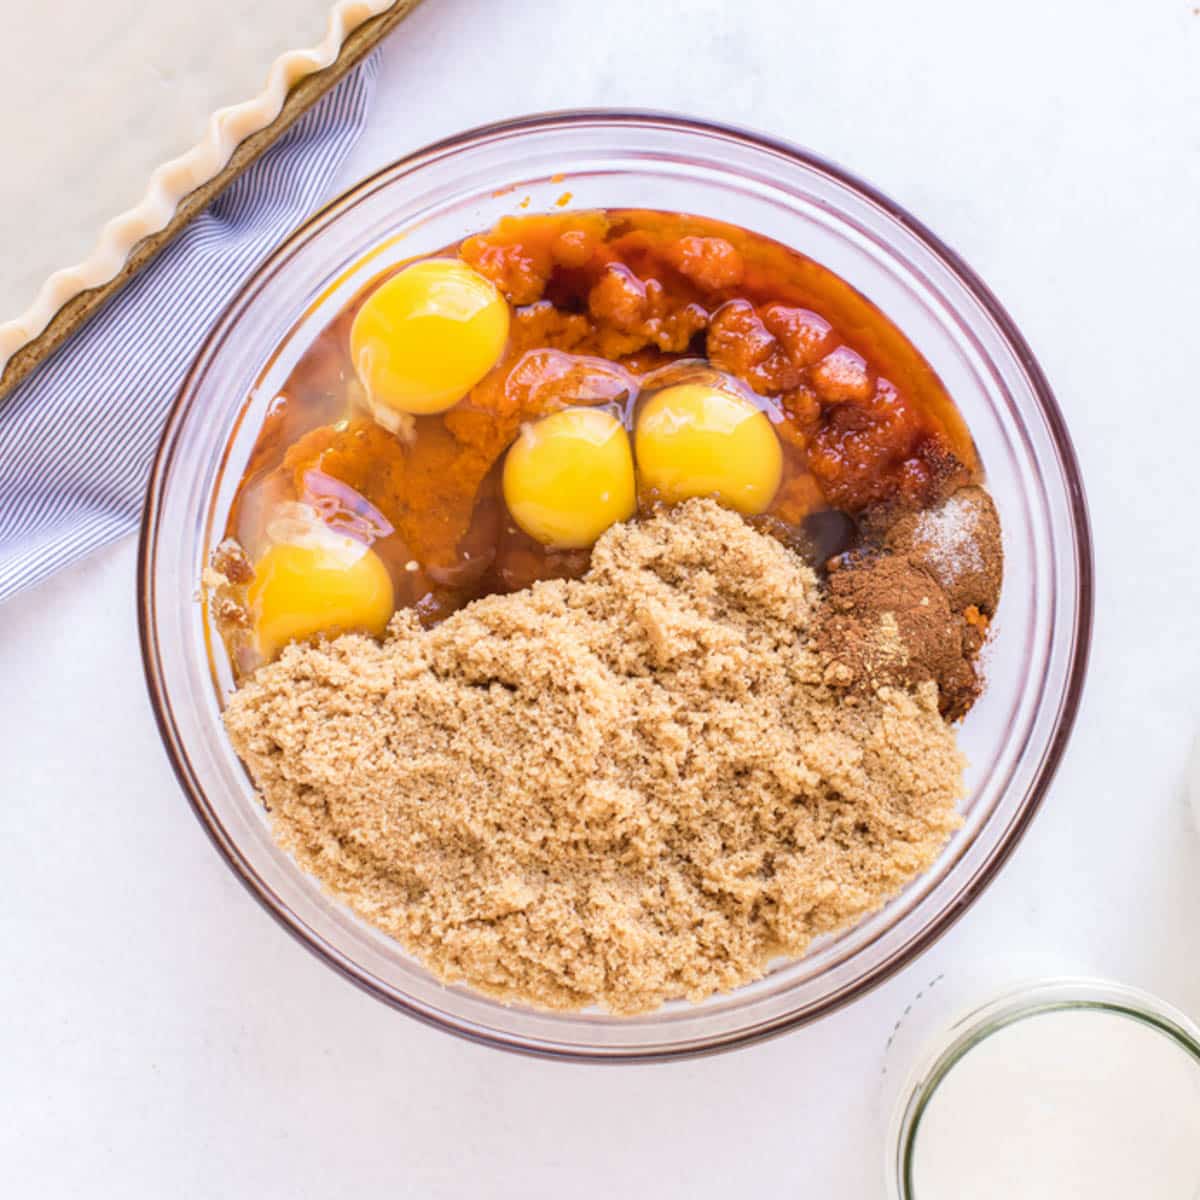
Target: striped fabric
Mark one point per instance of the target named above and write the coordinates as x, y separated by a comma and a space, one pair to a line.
78, 437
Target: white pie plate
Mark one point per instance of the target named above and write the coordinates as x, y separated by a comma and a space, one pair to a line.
177, 178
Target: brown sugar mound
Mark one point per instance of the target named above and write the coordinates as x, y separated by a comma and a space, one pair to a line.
619, 790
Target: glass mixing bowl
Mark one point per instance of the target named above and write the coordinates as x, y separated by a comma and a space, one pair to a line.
1035, 663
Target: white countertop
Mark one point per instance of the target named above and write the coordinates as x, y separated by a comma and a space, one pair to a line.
160, 1036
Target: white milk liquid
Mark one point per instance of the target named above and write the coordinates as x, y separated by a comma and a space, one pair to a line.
1080, 1104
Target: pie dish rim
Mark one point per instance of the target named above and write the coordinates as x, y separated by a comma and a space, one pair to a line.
173, 181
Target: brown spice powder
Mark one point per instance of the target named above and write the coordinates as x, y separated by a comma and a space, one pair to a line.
959, 544
919, 607
619, 790
888, 623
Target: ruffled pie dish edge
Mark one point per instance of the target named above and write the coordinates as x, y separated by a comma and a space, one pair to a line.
179, 178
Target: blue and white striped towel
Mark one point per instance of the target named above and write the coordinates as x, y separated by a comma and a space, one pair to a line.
77, 439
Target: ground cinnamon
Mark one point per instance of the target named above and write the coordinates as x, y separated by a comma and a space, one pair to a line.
917, 609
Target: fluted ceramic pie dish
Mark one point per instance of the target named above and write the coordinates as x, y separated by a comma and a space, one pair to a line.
145, 104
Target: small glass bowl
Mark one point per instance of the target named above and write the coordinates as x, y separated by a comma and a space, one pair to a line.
1079, 995
1036, 661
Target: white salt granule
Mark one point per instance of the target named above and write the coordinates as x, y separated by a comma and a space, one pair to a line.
947, 535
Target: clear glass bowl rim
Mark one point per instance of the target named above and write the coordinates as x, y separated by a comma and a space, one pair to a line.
1066, 994
1080, 532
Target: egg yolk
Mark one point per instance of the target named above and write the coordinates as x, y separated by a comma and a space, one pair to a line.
300, 591
697, 440
569, 476
428, 335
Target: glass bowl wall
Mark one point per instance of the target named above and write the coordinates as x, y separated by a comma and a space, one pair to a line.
1035, 661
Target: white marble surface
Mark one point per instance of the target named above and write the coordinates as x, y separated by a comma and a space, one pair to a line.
159, 1036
